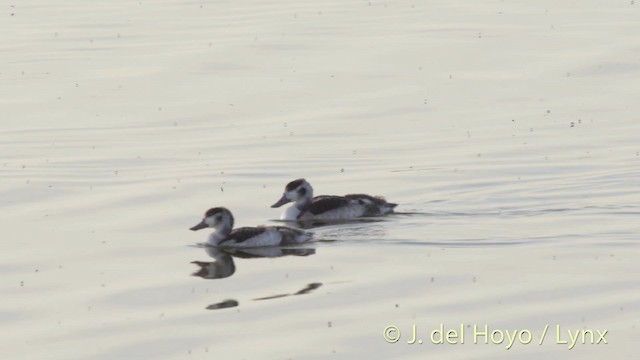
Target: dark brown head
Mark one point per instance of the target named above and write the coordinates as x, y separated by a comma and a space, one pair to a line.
295, 191
216, 218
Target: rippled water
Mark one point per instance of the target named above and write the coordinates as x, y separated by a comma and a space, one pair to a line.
506, 131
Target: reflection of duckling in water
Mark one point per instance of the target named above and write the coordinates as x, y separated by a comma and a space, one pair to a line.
224, 235
224, 266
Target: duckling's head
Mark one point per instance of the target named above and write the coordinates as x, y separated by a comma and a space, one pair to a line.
297, 190
217, 218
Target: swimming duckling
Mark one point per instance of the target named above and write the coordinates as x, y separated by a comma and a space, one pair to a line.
328, 207
221, 220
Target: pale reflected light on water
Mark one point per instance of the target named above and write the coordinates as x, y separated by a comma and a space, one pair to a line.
506, 131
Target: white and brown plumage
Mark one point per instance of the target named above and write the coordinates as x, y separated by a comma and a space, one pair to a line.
221, 219
328, 207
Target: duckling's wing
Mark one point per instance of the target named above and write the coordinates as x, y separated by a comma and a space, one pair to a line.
378, 200
322, 204
242, 234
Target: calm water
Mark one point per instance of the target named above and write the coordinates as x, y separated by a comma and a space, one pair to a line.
506, 131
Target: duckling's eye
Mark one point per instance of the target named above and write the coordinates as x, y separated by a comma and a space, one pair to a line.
302, 191
219, 218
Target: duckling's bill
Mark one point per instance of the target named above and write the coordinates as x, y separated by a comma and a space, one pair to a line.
283, 200
199, 226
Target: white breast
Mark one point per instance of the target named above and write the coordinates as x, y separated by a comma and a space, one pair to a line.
214, 238
291, 213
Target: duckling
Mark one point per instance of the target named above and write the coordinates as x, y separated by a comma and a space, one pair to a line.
221, 219
328, 207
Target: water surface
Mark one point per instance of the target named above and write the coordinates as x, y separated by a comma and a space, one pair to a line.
507, 132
